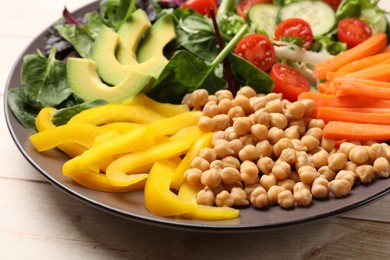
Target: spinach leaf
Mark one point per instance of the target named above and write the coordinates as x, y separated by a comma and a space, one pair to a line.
20, 107
44, 80
116, 12
63, 115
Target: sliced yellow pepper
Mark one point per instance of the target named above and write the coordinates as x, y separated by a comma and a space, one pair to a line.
116, 113
203, 141
134, 140
43, 122
188, 192
165, 109
121, 127
159, 199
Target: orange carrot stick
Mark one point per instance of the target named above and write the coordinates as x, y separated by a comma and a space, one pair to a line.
323, 100
323, 86
355, 131
369, 47
379, 72
386, 49
365, 63
369, 82
333, 114
349, 89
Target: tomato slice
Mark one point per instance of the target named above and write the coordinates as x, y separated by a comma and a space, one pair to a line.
353, 31
333, 3
257, 49
295, 28
288, 81
244, 6
201, 6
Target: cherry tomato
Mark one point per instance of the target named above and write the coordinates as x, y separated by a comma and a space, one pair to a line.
257, 49
295, 27
288, 81
201, 6
244, 6
353, 31
333, 3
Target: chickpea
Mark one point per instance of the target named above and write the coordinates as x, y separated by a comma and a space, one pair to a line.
235, 112
200, 163
320, 158
286, 199
206, 124
264, 148
376, 151
222, 148
211, 178
273, 96
248, 139
218, 189
274, 106
246, 91
267, 181
223, 199
193, 175
223, 93
289, 156
288, 184
229, 187
310, 142
326, 172
336, 161
346, 147
291, 132
222, 121
278, 120
239, 196
236, 145
319, 189
205, 197
212, 98
300, 124
295, 110
339, 187
187, 100
365, 173
294, 176
303, 197
281, 170
248, 153
301, 186
259, 198
382, 167
217, 164
275, 134
249, 188
308, 174
199, 98
224, 105
273, 193
309, 106
328, 144
350, 176
258, 102
315, 132
303, 159
265, 164
242, 125
208, 154
316, 123
298, 145
358, 154
259, 131
231, 161
350, 166
243, 101
230, 175
249, 172
211, 109
220, 135
261, 117
281, 145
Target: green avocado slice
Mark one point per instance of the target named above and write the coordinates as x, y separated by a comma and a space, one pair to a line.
85, 82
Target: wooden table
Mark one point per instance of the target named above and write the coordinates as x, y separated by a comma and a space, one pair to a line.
38, 221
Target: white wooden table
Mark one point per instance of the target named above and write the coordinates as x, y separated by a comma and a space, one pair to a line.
38, 221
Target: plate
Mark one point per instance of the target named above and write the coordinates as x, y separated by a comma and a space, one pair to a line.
131, 205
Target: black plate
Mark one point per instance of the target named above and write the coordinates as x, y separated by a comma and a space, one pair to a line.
131, 205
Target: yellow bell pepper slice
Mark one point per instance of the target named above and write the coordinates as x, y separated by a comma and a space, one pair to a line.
202, 212
134, 140
110, 113
83, 134
117, 171
165, 109
159, 199
43, 122
203, 141
121, 127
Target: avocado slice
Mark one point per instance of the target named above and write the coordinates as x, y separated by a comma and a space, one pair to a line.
130, 34
85, 82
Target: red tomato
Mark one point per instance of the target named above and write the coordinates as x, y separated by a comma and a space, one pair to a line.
257, 49
244, 6
295, 27
333, 3
201, 6
288, 81
353, 31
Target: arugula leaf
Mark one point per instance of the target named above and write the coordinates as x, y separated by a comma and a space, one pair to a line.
44, 80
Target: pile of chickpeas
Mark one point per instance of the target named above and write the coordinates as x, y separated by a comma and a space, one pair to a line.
267, 150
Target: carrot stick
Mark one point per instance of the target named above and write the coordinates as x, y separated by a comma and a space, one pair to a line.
370, 82
369, 47
365, 63
386, 49
355, 131
379, 72
323, 86
323, 100
333, 114
349, 89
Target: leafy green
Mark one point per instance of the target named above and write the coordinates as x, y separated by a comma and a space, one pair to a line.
44, 80
326, 43
353, 8
116, 12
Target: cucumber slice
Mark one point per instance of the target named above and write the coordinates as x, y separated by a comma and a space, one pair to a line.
263, 16
318, 14
376, 20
